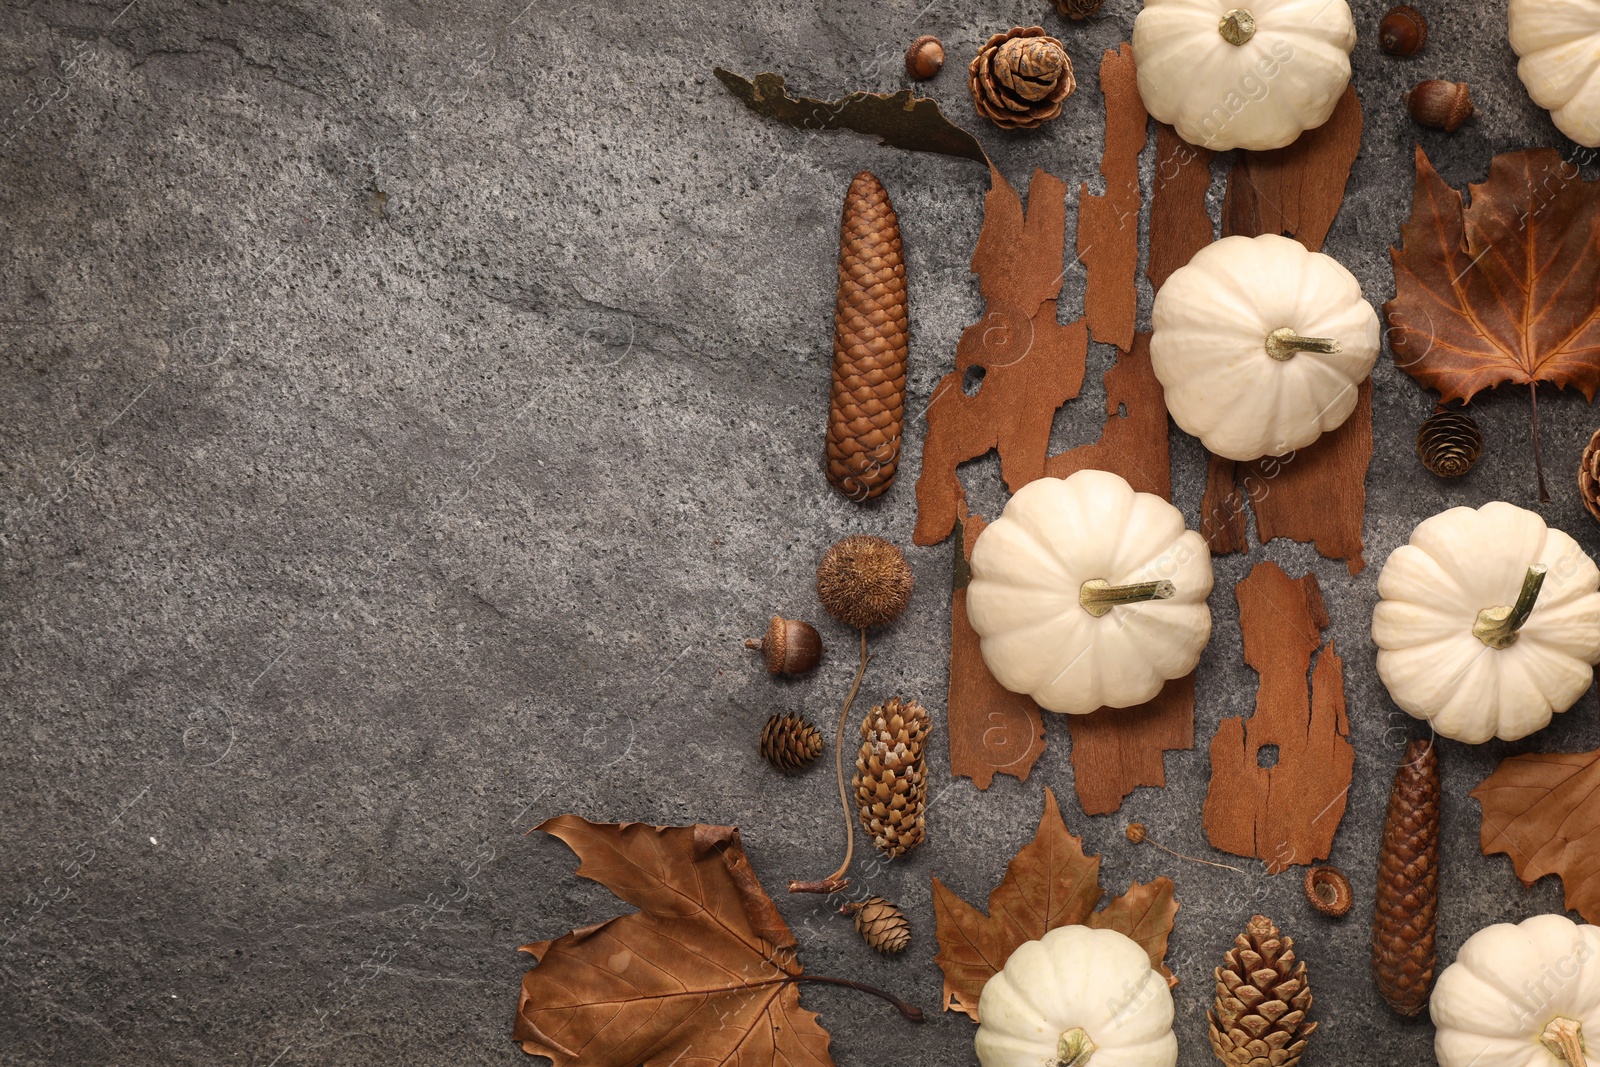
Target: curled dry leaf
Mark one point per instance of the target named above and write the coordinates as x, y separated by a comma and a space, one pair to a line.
1543, 810
1505, 289
1049, 883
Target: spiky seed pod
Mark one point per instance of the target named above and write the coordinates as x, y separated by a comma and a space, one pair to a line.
1329, 892
1589, 476
789, 646
1078, 9
790, 743
1407, 908
1449, 443
867, 402
1263, 997
1019, 78
864, 581
891, 780
880, 924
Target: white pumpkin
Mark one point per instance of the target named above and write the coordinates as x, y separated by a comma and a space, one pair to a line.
1261, 345
1087, 594
1473, 636
1559, 42
1077, 998
1521, 996
1243, 73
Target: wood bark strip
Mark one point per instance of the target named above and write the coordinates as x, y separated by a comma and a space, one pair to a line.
1116, 750
1180, 225
1108, 226
1285, 814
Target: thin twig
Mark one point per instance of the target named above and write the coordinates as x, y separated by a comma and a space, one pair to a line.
1538, 458
837, 881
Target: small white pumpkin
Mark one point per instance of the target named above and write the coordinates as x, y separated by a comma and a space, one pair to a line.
1559, 42
1489, 623
1526, 995
1261, 345
1077, 998
1243, 73
1087, 594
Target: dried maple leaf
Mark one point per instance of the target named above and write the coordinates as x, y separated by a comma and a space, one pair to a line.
1505, 289
1543, 810
704, 973
1049, 883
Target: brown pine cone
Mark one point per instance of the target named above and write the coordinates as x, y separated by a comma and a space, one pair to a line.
868, 403
790, 743
1449, 443
1019, 79
1263, 995
891, 779
1589, 476
880, 924
1408, 884
1078, 9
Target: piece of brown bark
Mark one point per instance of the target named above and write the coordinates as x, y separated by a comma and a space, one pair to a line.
1286, 814
1296, 191
1180, 225
1108, 226
1116, 750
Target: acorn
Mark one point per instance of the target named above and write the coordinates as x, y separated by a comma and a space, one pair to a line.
1078, 9
1449, 443
864, 581
924, 58
1444, 105
1328, 890
790, 646
1403, 31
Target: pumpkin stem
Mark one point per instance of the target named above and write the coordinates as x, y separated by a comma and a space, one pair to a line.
1099, 596
1497, 627
837, 880
1283, 344
1237, 26
1073, 1049
1564, 1039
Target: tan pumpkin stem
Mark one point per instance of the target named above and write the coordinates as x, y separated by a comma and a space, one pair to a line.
1099, 596
1283, 344
1073, 1049
1564, 1038
1237, 26
1498, 627
837, 880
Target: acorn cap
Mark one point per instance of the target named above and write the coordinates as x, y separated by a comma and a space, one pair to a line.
864, 581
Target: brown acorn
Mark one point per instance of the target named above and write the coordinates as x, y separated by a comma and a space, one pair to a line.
790, 743
880, 924
1589, 476
1449, 443
924, 58
1078, 9
1444, 105
864, 581
790, 646
1403, 31
1328, 890
1019, 78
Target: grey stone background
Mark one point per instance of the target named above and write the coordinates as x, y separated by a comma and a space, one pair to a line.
408, 407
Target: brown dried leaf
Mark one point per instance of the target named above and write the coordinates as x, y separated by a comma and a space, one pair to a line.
1543, 810
900, 119
703, 973
1049, 883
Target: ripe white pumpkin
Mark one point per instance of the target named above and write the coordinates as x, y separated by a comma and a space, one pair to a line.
1261, 345
1087, 594
1559, 42
1460, 642
1243, 73
1524, 995
1077, 998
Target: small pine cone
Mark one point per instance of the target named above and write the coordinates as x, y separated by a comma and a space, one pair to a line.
1078, 9
891, 779
1589, 476
1259, 1018
1407, 909
1449, 443
790, 743
880, 924
1019, 79
868, 404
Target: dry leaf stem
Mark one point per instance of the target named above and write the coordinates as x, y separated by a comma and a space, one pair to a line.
837, 880
910, 1011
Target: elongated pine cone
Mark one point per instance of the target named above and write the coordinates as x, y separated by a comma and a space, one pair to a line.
880, 924
891, 779
1019, 78
790, 743
1589, 476
1408, 884
867, 410
1263, 996
1449, 443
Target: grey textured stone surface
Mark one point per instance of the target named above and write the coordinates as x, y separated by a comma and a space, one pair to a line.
407, 409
